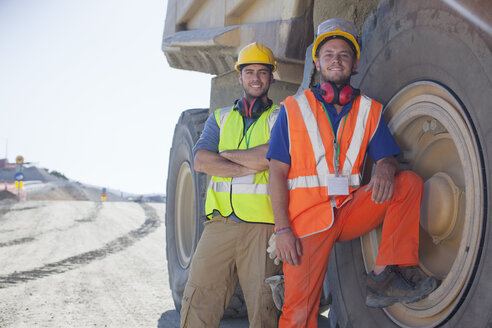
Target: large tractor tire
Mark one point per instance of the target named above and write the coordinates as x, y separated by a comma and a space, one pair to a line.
433, 70
185, 208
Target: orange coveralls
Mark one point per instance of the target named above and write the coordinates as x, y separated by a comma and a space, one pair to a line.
399, 244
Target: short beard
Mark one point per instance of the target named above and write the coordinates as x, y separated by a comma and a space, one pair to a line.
338, 81
250, 96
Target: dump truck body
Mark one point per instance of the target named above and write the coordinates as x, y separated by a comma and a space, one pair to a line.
430, 64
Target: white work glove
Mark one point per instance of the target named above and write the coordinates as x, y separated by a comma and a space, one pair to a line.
272, 250
278, 289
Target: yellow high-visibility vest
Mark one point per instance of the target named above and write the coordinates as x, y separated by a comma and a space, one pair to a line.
247, 197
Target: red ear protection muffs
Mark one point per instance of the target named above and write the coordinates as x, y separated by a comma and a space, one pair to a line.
252, 111
334, 95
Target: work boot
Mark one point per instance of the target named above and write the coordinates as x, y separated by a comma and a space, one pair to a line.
394, 284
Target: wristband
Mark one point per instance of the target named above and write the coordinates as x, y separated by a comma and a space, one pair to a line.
283, 230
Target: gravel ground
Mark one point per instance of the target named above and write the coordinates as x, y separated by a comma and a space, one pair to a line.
86, 264
83, 264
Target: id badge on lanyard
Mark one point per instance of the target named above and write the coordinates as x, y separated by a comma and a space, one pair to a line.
337, 185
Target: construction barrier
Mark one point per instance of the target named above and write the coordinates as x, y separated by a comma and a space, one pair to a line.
20, 194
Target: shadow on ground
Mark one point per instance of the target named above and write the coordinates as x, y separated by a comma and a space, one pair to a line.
170, 319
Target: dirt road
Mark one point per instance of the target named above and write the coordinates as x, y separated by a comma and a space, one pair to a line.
81, 264
85, 264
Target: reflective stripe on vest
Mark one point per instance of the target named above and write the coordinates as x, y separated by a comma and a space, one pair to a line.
222, 114
310, 206
225, 186
320, 180
246, 196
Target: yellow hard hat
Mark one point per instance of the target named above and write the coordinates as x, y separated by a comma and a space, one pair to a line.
337, 27
255, 53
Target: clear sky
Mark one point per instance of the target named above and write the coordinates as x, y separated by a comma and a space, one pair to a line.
86, 90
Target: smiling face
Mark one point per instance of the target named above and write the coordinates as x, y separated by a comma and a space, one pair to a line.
336, 62
256, 80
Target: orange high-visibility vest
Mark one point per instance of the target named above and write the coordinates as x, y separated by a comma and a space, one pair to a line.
313, 157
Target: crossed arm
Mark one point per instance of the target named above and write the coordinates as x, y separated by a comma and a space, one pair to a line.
232, 163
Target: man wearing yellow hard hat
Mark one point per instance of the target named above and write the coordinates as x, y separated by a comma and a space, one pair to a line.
317, 152
232, 150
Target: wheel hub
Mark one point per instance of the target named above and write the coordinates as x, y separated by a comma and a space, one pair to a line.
439, 210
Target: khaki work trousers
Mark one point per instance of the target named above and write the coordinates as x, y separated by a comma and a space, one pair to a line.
229, 252
399, 244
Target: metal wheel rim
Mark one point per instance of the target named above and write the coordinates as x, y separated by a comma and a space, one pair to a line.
184, 215
427, 103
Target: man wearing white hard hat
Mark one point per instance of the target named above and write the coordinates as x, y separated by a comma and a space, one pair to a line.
317, 151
